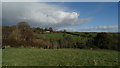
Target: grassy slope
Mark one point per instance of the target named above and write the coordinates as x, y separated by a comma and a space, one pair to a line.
54, 35
81, 33
54, 57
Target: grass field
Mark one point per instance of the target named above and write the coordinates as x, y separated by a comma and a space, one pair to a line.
58, 57
54, 35
0, 57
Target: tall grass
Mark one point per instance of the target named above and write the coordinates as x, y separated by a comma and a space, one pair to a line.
59, 57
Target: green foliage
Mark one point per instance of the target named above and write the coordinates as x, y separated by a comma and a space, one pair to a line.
22, 35
106, 41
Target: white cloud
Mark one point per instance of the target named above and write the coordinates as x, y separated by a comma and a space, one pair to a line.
0, 27
0, 13
60, 0
106, 28
20, 0
40, 14
82, 21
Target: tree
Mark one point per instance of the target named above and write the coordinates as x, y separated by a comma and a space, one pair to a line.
46, 29
25, 30
23, 26
6, 32
15, 34
103, 41
64, 33
51, 29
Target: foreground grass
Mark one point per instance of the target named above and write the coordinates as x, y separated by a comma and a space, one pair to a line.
0, 57
60, 57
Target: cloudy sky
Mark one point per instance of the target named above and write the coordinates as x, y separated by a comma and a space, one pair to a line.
72, 16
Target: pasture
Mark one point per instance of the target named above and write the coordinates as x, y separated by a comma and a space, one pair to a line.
0, 57
58, 57
55, 35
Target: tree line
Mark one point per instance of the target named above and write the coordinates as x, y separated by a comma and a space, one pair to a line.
22, 35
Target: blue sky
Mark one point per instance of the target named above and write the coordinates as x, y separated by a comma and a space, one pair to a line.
90, 16
101, 13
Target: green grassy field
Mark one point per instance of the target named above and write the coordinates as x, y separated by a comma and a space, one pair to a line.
54, 35
0, 57
58, 57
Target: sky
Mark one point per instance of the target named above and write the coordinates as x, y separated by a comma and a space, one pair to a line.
72, 16
60, 0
